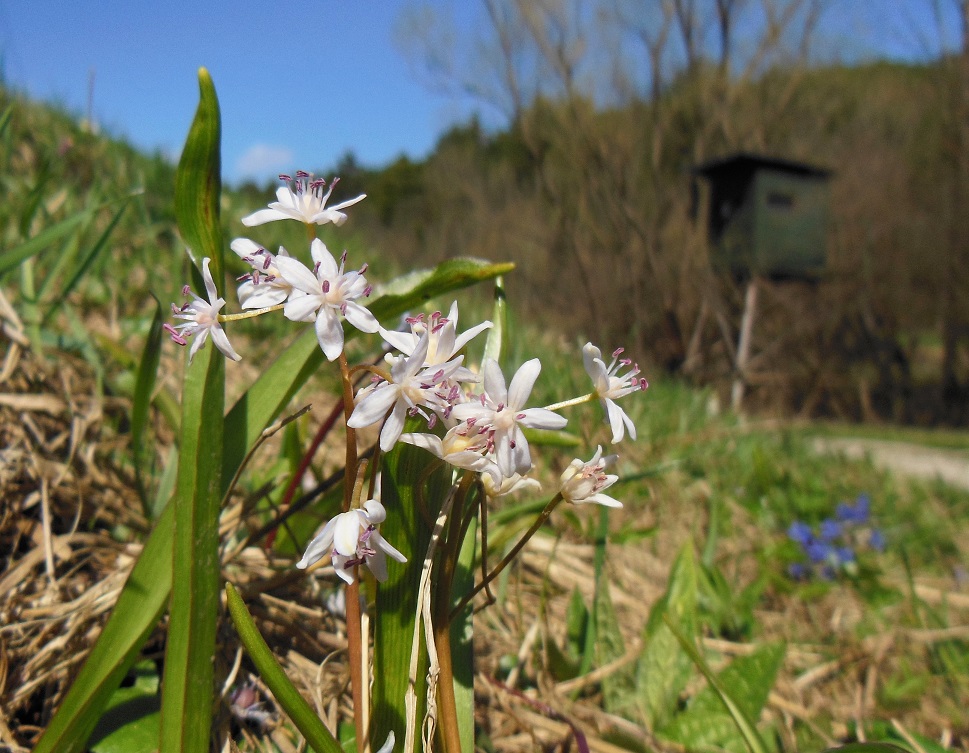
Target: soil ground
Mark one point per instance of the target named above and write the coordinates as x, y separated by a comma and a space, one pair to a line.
950, 466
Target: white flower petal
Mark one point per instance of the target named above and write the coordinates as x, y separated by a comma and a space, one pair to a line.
263, 216
360, 317
346, 532
221, 341
522, 382
494, 381
302, 308
319, 547
298, 275
374, 406
393, 426
329, 333
322, 256
539, 418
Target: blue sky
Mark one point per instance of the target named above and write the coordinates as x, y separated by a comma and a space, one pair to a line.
299, 84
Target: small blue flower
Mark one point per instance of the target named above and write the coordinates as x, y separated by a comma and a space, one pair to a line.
819, 551
856, 513
830, 529
800, 532
876, 540
845, 554
798, 571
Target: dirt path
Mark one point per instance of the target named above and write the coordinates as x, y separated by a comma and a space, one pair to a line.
951, 466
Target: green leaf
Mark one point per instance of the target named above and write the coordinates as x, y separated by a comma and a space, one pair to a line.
12, 258
86, 261
733, 699
462, 638
198, 183
412, 499
144, 386
287, 696
139, 607
189, 651
131, 721
166, 484
188, 683
664, 668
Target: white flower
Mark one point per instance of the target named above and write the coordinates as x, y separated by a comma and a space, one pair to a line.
459, 449
264, 286
583, 482
304, 199
508, 485
201, 319
411, 388
324, 294
499, 411
610, 386
352, 538
444, 342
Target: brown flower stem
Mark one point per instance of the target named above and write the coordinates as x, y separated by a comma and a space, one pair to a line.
506, 560
355, 647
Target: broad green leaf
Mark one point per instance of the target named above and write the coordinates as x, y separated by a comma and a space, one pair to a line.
12, 258
462, 638
139, 607
737, 695
664, 668
412, 500
144, 386
198, 183
188, 682
283, 690
131, 721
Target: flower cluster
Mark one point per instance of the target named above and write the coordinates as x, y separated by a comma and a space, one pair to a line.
833, 548
324, 294
475, 419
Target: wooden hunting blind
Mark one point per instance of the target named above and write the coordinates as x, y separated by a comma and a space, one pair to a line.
767, 217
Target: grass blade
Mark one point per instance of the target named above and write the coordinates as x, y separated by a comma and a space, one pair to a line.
140, 606
13, 258
188, 681
82, 268
144, 386
283, 690
198, 184
745, 726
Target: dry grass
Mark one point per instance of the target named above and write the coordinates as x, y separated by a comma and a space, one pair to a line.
66, 524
